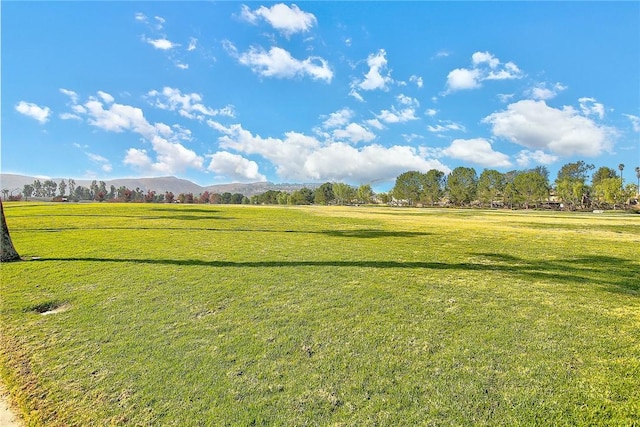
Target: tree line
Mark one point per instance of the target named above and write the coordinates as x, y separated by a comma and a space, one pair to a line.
519, 188
531, 188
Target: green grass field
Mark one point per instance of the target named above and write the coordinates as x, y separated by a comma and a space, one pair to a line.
243, 315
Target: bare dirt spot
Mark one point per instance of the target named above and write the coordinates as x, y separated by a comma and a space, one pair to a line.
51, 307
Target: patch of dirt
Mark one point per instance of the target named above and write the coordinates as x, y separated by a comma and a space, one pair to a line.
8, 417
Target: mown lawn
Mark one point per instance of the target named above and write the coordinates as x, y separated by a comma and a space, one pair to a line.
244, 315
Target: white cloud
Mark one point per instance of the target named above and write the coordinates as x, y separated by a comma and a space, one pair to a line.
478, 151
140, 17
479, 58
181, 65
337, 119
590, 107
192, 44
304, 158
170, 156
509, 72
375, 123
235, 166
535, 125
431, 112
356, 95
69, 116
462, 78
541, 91
279, 63
139, 159
485, 66
374, 79
635, 121
445, 126
395, 116
160, 21
417, 80
505, 97
354, 133
407, 100
161, 44
188, 105
287, 20
41, 114
105, 97
71, 94
538, 157
103, 162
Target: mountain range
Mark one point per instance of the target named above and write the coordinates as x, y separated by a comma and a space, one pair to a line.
15, 183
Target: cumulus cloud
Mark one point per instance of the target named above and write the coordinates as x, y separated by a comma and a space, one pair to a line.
71, 94
287, 20
485, 66
537, 157
377, 77
279, 63
543, 92
188, 105
29, 109
235, 166
535, 125
161, 43
590, 107
397, 116
170, 155
338, 118
478, 151
417, 80
354, 133
462, 78
407, 100
301, 157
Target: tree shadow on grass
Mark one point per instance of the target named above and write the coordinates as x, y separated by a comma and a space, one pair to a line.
616, 274
372, 233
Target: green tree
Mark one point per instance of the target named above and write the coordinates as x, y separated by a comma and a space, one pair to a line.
364, 194
610, 192
570, 183
27, 191
491, 185
638, 176
462, 185
324, 194
621, 167
432, 186
532, 187
72, 187
510, 195
37, 188
344, 193
601, 174
62, 188
408, 187
303, 196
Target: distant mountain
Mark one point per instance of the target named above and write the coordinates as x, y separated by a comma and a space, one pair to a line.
15, 184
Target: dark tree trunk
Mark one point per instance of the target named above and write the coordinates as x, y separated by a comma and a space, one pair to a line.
7, 251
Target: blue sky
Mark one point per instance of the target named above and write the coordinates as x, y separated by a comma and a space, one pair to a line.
356, 92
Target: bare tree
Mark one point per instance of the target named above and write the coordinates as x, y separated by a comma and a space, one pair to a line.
7, 251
